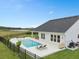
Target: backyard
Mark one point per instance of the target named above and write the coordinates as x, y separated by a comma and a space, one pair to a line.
6, 53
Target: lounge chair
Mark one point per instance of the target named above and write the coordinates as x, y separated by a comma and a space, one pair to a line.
38, 47
41, 47
44, 46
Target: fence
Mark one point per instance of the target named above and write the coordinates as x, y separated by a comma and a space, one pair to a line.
22, 53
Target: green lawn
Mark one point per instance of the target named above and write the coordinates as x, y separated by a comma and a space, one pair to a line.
65, 54
5, 53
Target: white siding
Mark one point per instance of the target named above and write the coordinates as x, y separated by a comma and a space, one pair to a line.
72, 33
48, 36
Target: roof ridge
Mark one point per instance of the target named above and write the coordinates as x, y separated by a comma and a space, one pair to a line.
64, 18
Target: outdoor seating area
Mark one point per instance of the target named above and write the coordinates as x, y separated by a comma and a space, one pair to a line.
41, 47
73, 45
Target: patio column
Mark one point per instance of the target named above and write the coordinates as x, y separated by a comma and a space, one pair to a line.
32, 35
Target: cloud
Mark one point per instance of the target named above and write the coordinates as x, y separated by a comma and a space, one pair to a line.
51, 12
34, 26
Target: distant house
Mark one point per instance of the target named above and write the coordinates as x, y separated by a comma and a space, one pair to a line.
59, 30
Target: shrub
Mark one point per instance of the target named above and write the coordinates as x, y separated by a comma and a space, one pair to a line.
18, 43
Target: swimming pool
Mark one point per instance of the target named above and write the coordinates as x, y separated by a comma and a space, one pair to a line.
29, 43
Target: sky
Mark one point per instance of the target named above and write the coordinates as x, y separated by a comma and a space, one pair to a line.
32, 13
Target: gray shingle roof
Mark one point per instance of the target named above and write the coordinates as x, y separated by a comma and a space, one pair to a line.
57, 25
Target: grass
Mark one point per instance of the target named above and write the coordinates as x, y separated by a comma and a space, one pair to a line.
5, 53
11, 34
65, 54
3, 33
7, 33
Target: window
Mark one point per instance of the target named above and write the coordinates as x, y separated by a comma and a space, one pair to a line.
42, 36
54, 38
51, 37
78, 35
58, 38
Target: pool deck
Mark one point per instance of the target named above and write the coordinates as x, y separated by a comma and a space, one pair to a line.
50, 49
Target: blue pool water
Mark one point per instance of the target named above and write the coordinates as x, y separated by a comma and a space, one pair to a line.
30, 43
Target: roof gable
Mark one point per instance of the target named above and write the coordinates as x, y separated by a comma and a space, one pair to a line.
57, 25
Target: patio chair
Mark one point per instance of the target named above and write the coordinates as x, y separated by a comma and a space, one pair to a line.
41, 47
77, 44
44, 46
38, 47
72, 45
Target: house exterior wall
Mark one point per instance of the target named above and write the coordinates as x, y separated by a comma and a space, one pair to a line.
48, 36
72, 34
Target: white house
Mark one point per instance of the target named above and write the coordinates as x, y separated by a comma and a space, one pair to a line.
59, 30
